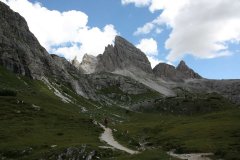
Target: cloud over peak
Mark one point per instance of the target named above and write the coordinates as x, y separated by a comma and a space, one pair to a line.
148, 46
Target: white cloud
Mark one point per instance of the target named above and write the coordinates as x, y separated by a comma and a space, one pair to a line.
54, 28
199, 28
94, 40
68, 52
148, 46
147, 28
154, 61
138, 3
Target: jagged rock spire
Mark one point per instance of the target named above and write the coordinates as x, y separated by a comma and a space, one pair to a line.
123, 56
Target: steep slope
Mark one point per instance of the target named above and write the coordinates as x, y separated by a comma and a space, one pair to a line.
123, 55
20, 50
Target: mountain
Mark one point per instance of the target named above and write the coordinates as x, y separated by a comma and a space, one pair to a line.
51, 108
22, 54
180, 73
123, 56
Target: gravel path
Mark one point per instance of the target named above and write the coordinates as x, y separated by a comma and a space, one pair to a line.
107, 137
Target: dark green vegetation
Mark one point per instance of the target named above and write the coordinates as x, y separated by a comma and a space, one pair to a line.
6, 92
216, 132
152, 154
35, 123
190, 104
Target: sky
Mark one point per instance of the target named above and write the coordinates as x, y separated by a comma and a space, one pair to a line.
205, 34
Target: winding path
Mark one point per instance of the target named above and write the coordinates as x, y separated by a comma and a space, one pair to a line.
107, 137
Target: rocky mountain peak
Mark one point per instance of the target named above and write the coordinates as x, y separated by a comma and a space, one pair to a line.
180, 73
123, 56
122, 42
188, 72
182, 66
89, 63
87, 57
164, 70
75, 62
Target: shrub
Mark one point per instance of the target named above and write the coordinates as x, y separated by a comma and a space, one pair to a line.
8, 92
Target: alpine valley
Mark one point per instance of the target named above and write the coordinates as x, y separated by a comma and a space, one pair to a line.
51, 108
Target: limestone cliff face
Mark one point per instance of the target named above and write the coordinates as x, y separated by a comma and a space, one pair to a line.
21, 53
20, 50
123, 55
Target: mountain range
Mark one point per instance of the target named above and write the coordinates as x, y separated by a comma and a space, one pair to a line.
22, 54
121, 76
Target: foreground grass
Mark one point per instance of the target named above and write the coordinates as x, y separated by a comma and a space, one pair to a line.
35, 123
214, 132
154, 154
35, 119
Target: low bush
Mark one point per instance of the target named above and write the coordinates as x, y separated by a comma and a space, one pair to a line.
8, 92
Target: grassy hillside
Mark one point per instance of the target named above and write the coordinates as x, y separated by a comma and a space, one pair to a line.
216, 132
35, 123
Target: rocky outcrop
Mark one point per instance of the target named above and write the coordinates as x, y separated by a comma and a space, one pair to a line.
187, 72
75, 63
164, 70
88, 64
169, 72
123, 55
